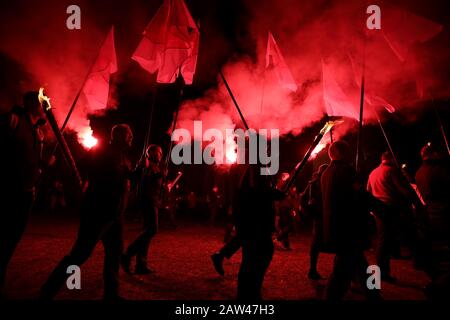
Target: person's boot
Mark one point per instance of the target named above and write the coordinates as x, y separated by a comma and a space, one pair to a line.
314, 275
217, 260
125, 261
388, 278
143, 269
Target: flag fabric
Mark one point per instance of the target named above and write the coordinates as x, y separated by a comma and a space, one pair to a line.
377, 101
96, 87
337, 102
170, 43
275, 62
401, 30
370, 98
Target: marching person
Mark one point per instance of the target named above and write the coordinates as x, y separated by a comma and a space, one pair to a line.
387, 185
286, 210
255, 223
152, 176
100, 218
433, 181
20, 162
312, 205
345, 224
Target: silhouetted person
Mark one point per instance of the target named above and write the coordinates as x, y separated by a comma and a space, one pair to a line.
433, 181
312, 205
232, 241
21, 148
285, 210
152, 176
387, 184
255, 223
345, 224
100, 218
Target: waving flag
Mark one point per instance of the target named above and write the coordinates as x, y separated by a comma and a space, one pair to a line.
275, 62
96, 88
337, 103
370, 98
170, 43
402, 29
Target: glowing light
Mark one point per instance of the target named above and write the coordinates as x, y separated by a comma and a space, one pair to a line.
42, 98
87, 140
325, 140
317, 149
230, 150
231, 155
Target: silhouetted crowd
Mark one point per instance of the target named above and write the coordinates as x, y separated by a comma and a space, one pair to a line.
345, 211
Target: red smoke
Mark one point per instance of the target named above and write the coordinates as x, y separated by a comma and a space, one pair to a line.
308, 32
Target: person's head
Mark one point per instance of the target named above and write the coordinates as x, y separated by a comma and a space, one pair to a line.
386, 158
32, 105
429, 153
121, 135
154, 153
339, 150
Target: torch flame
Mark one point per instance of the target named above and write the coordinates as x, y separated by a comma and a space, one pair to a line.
322, 144
329, 125
317, 149
43, 98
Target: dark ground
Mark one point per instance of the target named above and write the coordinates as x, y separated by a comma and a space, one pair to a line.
181, 258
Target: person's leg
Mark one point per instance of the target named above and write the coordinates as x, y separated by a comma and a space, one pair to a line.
340, 278
314, 252
14, 220
89, 234
264, 254
139, 247
384, 246
227, 251
151, 223
247, 277
113, 246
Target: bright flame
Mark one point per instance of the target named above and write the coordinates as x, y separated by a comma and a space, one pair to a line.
317, 149
42, 98
86, 138
322, 144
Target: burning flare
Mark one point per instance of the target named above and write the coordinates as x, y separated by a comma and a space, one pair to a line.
86, 138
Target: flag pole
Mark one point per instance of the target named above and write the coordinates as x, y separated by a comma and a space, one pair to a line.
174, 125
387, 140
150, 121
263, 90
361, 111
442, 128
234, 99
